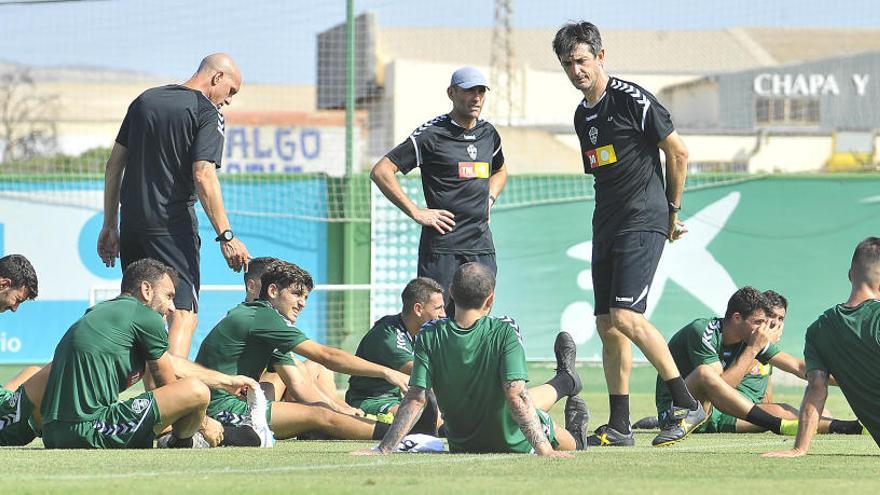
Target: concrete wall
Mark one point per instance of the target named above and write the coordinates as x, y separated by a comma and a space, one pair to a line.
88, 115
791, 154
766, 153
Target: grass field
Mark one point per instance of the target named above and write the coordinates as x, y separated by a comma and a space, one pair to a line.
701, 464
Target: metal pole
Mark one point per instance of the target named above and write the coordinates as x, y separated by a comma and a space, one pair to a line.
349, 88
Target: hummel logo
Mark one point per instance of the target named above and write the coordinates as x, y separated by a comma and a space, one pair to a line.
623, 299
470, 137
591, 117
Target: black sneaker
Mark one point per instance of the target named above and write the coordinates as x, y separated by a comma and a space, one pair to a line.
647, 423
566, 356
606, 436
576, 418
678, 423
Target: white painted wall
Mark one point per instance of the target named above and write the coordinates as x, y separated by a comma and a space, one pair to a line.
775, 153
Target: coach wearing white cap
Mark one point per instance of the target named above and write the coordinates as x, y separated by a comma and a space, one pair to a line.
462, 175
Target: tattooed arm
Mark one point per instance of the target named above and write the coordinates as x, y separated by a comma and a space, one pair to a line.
407, 415
523, 412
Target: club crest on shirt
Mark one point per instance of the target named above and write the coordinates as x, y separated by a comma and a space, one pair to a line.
472, 151
594, 135
473, 170
140, 405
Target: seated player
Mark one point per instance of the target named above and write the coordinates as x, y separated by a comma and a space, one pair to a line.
260, 334
843, 341
390, 343
476, 365
755, 386
106, 351
18, 283
20, 406
303, 381
714, 354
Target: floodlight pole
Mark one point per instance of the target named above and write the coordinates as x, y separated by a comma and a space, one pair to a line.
349, 88
350, 247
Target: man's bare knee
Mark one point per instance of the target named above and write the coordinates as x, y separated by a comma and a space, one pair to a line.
702, 381
625, 321
198, 392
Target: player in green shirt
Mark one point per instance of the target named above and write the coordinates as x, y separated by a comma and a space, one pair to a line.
845, 342
309, 382
18, 283
390, 343
258, 335
755, 386
106, 351
714, 354
476, 366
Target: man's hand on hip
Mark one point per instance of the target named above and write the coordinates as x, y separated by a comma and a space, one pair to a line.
236, 254
440, 220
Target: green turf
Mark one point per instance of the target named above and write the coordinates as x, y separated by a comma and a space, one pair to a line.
701, 464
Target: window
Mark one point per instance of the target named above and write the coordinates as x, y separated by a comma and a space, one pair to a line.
787, 111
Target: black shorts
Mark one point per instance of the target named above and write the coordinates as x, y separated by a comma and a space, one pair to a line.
623, 268
179, 251
442, 266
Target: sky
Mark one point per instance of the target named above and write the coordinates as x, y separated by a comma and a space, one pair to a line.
274, 41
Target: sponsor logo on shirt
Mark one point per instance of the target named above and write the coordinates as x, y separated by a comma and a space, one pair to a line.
473, 170
472, 151
623, 299
594, 135
470, 137
601, 156
760, 369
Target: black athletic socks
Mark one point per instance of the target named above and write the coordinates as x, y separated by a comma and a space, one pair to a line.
563, 383
619, 418
380, 430
240, 436
681, 396
851, 427
762, 418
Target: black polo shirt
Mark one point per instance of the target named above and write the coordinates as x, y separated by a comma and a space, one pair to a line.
166, 130
619, 137
456, 165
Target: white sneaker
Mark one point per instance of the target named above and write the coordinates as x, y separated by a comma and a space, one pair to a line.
256, 419
419, 442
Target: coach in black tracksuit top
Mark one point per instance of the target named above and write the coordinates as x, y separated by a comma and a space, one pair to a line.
621, 128
462, 175
169, 147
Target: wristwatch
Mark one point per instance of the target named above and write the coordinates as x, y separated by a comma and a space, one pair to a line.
225, 236
673, 208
